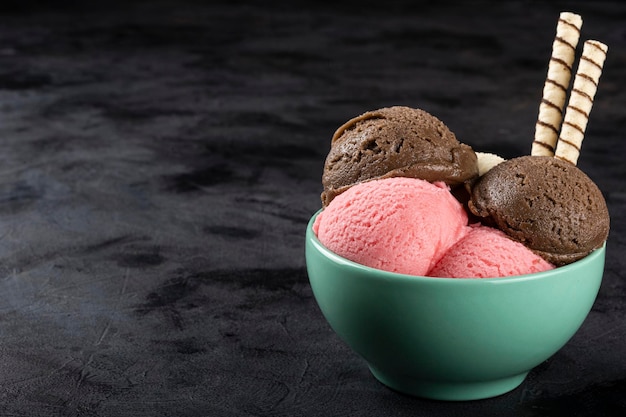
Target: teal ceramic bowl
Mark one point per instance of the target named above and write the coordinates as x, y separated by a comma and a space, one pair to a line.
446, 338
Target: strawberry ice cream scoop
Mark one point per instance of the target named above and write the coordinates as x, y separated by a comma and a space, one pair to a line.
485, 252
396, 224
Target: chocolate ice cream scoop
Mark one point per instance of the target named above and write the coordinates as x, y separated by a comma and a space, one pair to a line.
548, 204
395, 142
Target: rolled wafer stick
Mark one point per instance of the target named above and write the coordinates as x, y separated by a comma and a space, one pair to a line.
556, 84
581, 101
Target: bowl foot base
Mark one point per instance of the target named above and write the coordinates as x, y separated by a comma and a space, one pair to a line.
449, 391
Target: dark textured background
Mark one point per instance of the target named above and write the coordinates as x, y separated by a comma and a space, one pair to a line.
160, 161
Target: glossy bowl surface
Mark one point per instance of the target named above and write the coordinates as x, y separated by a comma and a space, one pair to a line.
447, 338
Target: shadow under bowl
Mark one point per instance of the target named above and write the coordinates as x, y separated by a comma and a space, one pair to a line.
450, 338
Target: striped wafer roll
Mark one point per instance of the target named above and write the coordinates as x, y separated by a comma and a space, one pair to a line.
581, 101
556, 84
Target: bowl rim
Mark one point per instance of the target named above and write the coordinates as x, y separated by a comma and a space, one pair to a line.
388, 275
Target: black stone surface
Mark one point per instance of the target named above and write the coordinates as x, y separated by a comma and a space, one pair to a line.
160, 161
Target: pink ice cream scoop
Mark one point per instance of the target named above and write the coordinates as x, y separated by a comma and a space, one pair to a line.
398, 224
485, 252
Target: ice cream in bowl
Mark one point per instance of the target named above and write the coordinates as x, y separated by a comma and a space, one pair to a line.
451, 338
454, 273
442, 308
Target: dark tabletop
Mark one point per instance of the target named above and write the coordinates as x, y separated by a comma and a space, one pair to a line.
160, 161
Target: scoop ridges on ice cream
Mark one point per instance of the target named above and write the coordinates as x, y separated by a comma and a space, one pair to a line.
549, 205
395, 142
397, 224
485, 252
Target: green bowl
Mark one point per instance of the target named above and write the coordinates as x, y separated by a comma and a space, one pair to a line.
447, 338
